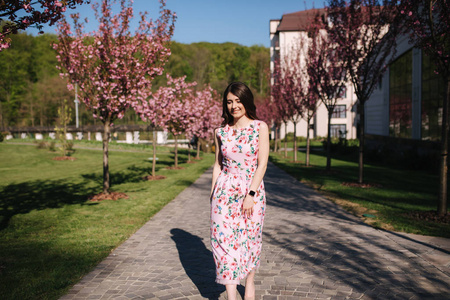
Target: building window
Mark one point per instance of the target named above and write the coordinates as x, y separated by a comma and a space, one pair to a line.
433, 93
339, 112
338, 130
400, 96
343, 92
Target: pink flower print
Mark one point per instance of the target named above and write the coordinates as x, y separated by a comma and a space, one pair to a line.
238, 189
238, 237
243, 139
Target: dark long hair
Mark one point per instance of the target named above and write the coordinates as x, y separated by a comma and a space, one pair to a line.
243, 92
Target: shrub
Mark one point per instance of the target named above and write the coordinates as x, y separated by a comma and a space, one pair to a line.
42, 145
412, 156
52, 146
353, 143
290, 137
2, 136
64, 117
342, 146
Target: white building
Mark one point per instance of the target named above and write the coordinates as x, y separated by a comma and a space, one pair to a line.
283, 34
408, 101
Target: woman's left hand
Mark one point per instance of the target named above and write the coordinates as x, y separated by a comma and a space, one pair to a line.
247, 206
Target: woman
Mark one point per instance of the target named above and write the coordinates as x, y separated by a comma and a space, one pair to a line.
237, 195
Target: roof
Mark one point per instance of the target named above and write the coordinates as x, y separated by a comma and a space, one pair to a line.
299, 21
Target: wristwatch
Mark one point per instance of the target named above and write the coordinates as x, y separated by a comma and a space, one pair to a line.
252, 193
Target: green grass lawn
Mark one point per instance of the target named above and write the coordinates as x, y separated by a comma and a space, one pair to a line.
400, 191
51, 235
113, 145
300, 144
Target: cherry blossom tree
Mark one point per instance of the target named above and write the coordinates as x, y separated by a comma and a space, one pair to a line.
212, 120
206, 109
196, 108
428, 23
281, 92
268, 112
292, 88
309, 98
366, 30
176, 115
296, 87
326, 71
310, 108
278, 99
150, 111
20, 14
113, 68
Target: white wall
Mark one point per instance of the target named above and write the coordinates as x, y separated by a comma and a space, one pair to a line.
283, 42
377, 107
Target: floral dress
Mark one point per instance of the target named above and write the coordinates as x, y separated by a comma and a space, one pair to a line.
235, 239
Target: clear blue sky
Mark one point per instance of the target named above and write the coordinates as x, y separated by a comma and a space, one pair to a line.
245, 22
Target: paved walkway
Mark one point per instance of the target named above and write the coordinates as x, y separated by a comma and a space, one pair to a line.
312, 249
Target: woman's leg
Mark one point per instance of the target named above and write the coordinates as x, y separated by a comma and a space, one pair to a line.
231, 291
250, 286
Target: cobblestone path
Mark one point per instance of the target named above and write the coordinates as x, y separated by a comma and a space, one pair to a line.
312, 249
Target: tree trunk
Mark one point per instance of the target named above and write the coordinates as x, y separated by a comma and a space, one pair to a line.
41, 115
154, 153
275, 147
1, 117
442, 203
198, 148
285, 139
295, 141
328, 168
361, 142
31, 111
64, 137
176, 151
307, 143
106, 135
189, 151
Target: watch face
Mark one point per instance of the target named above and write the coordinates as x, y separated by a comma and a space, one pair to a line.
252, 193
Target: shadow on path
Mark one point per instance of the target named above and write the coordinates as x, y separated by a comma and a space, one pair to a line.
197, 262
334, 248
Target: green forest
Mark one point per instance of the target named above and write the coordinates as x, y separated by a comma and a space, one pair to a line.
31, 89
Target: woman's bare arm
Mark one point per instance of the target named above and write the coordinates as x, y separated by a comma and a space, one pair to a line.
263, 156
217, 163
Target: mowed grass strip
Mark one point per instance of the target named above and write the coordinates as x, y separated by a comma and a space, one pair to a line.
399, 192
51, 235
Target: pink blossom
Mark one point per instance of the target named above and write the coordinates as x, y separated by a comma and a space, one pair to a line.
113, 51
